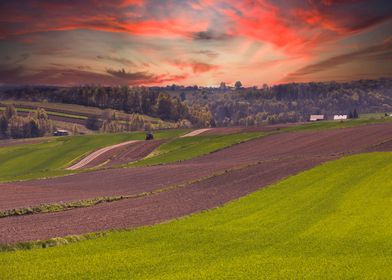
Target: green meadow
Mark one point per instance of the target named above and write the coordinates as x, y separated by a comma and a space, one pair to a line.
331, 222
321, 125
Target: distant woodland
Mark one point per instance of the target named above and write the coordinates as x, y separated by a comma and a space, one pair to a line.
140, 100
291, 102
225, 106
35, 124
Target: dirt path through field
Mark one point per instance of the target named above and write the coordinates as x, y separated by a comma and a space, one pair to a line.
98, 153
195, 132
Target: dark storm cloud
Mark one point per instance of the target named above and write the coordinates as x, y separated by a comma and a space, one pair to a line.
70, 77
124, 61
210, 35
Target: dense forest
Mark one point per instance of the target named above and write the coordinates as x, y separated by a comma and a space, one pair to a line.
289, 102
225, 106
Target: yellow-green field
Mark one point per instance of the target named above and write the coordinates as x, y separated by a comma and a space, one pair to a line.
331, 222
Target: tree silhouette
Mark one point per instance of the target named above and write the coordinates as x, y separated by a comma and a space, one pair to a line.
355, 114
238, 85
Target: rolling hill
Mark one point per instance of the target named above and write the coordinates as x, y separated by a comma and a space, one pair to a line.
329, 222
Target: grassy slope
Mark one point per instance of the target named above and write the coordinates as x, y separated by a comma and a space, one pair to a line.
374, 115
191, 147
331, 222
50, 158
337, 124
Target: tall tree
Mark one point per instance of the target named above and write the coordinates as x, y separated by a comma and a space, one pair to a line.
238, 85
3, 125
355, 114
164, 106
10, 111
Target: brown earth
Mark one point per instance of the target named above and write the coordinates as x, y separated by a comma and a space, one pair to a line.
280, 155
385, 146
125, 154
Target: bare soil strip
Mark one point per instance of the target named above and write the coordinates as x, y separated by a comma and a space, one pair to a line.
85, 161
195, 132
63, 206
385, 146
131, 153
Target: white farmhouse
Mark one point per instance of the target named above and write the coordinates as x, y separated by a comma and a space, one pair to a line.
315, 118
340, 117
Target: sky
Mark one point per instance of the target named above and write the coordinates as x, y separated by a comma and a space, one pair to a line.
196, 42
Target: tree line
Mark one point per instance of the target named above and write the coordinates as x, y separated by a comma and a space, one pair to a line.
111, 123
290, 102
35, 124
136, 100
225, 106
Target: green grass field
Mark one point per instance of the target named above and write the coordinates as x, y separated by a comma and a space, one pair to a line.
321, 125
374, 115
51, 157
331, 222
190, 147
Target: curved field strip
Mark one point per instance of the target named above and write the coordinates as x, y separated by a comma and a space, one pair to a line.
333, 220
94, 155
132, 153
50, 158
196, 132
176, 150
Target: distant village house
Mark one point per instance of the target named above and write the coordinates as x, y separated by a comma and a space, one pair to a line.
315, 118
340, 117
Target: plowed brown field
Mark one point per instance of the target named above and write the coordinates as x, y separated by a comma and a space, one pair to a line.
124, 155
